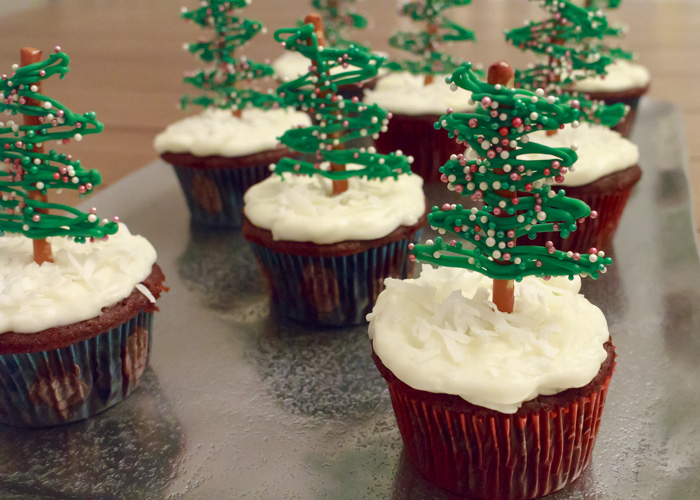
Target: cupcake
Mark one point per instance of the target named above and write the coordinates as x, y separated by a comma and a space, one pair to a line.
416, 93
76, 299
497, 367
326, 257
218, 156
626, 82
493, 405
603, 176
415, 107
221, 152
326, 234
77, 332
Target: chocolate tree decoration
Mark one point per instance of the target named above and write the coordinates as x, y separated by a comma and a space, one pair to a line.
337, 120
569, 43
338, 15
516, 191
220, 80
425, 44
29, 172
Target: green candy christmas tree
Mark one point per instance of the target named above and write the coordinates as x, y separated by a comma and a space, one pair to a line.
425, 44
338, 16
337, 120
517, 195
29, 172
569, 41
220, 81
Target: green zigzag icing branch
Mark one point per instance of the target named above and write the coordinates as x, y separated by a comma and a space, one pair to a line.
424, 44
25, 170
568, 42
337, 120
337, 17
220, 81
498, 167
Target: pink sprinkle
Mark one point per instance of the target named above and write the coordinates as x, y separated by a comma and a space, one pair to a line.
594, 214
446, 206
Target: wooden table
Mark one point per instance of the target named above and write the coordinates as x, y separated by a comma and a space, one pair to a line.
127, 58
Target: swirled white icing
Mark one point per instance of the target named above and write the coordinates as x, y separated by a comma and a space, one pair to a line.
82, 280
601, 151
440, 333
404, 93
622, 75
302, 208
216, 132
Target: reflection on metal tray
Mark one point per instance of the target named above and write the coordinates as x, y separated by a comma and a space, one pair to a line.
239, 401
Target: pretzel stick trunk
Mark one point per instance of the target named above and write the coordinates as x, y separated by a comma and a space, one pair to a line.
503, 290
42, 248
432, 30
339, 186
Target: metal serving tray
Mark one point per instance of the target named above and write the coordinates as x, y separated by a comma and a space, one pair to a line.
238, 402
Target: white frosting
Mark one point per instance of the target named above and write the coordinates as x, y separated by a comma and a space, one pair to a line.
82, 280
441, 333
292, 65
622, 75
404, 93
302, 208
601, 151
216, 132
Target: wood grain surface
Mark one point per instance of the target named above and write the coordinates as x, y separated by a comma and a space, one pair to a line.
127, 58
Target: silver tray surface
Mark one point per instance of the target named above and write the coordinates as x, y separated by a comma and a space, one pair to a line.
239, 402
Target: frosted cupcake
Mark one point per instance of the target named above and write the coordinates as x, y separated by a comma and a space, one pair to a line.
415, 107
416, 93
76, 334
326, 256
218, 156
603, 176
77, 294
326, 234
497, 367
486, 402
220, 153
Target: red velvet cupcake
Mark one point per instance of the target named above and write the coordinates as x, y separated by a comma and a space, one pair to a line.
415, 108
493, 405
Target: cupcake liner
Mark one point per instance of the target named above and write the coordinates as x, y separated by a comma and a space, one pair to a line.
592, 233
59, 386
416, 136
215, 195
332, 291
484, 454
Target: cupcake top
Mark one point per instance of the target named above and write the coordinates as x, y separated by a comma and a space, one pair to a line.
404, 93
301, 208
601, 151
82, 280
216, 132
622, 75
441, 333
